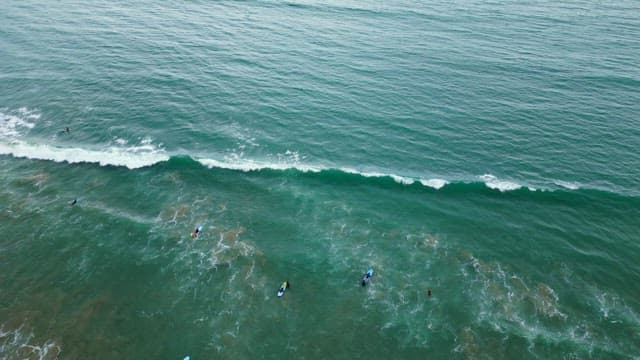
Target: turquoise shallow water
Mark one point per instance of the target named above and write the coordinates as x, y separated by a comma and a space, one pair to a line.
487, 152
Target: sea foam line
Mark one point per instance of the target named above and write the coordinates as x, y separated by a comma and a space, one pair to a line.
15, 124
252, 165
131, 157
146, 154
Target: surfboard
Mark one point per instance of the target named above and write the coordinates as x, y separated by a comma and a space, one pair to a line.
283, 288
367, 276
196, 232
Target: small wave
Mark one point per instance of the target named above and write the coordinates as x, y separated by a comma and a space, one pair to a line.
404, 180
247, 165
567, 184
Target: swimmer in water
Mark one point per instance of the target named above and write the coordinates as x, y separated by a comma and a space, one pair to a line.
367, 277
196, 232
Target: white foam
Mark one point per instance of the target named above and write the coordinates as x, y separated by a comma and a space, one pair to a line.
12, 126
131, 157
362, 173
15, 124
493, 182
30, 114
404, 180
247, 165
120, 141
434, 183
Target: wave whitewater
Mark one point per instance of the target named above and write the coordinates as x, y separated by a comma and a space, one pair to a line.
15, 124
148, 155
134, 157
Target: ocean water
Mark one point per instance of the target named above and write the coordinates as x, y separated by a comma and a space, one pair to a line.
487, 151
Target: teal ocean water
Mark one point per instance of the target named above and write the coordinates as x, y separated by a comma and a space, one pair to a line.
486, 151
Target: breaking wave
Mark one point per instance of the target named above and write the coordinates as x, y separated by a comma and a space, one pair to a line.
15, 126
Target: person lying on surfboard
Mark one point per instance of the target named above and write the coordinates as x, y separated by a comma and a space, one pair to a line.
283, 287
367, 277
196, 232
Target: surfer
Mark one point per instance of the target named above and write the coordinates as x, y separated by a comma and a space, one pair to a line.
367, 277
73, 202
429, 293
285, 285
196, 232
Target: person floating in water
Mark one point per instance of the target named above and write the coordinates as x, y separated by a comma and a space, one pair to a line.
285, 285
67, 130
429, 293
367, 277
73, 202
196, 232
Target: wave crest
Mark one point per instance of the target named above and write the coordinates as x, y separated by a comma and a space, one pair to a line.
15, 124
493, 182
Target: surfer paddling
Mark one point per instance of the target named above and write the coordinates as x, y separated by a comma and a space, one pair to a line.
285, 285
196, 232
367, 277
